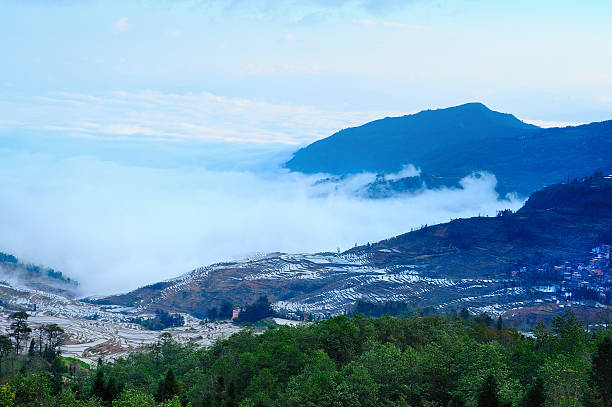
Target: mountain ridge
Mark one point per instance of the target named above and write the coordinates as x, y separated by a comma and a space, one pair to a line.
454, 142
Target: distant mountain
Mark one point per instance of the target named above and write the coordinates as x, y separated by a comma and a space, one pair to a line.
448, 144
493, 264
21, 275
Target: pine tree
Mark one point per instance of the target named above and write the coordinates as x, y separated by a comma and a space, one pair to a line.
57, 371
166, 388
111, 390
98, 385
20, 329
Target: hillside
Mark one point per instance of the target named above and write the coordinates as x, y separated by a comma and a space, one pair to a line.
15, 273
493, 264
448, 144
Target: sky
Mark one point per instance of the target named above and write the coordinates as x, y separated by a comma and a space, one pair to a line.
140, 139
296, 70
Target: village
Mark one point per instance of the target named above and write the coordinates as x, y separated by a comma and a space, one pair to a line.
572, 279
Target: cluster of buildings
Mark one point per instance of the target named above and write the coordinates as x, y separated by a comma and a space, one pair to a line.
578, 280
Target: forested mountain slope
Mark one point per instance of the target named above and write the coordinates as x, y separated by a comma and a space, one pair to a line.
449, 144
15, 273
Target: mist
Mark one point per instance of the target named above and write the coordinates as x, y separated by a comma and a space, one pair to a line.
114, 225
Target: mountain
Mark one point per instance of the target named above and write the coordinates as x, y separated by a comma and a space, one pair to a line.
17, 274
551, 250
448, 144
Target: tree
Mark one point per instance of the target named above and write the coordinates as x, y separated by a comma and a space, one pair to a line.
166, 388
535, 396
256, 311
31, 350
41, 333
133, 398
571, 336
6, 346
602, 371
68, 399
53, 339
58, 368
7, 397
111, 389
487, 396
34, 390
20, 329
98, 384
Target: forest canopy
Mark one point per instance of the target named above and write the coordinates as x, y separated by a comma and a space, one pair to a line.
452, 360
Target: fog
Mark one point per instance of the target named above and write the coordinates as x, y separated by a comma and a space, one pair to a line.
114, 225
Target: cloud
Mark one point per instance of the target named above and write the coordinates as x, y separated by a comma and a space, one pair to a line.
407, 171
116, 225
170, 116
551, 123
121, 25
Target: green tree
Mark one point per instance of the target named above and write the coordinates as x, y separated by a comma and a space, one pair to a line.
6, 346
166, 388
602, 371
111, 390
7, 397
571, 336
487, 396
99, 386
57, 370
174, 402
68, 399
566, 379
535, 396
34, 390
133, 398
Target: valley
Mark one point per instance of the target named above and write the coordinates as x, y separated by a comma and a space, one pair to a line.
525, 266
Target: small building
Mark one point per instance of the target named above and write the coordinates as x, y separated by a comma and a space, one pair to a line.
235, 313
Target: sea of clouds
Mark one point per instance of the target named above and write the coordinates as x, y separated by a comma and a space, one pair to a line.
118, 218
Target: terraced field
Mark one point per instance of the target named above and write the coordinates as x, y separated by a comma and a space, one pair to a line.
466, 263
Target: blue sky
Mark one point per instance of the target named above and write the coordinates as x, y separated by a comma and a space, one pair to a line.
293, 71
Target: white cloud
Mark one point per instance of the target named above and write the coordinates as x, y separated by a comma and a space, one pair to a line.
407, 171
121, 25
195, 116
115, 227
551, 123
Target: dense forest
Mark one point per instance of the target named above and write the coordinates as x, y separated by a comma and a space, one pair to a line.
414, 360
